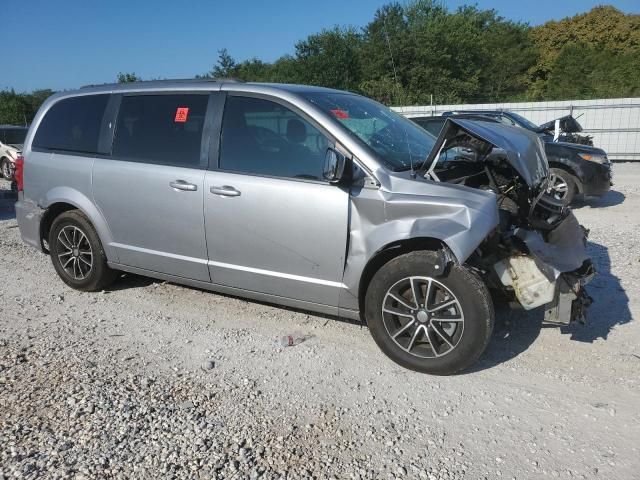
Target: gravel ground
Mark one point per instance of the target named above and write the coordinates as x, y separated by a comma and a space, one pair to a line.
155, 380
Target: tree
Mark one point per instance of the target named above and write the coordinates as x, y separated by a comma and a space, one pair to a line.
20, 108
386, 54
421, 49
225, 67
582, 71
603, 29
330, 59
509, 56
128, 77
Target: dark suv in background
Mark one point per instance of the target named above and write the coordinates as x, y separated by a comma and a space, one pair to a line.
576, 170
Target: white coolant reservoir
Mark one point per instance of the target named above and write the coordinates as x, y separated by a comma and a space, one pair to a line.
532, 287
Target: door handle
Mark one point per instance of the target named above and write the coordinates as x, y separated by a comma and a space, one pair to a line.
182, 185
225, 191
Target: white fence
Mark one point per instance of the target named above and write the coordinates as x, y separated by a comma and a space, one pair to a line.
613, 123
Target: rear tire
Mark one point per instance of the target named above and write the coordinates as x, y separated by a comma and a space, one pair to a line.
6, 169
77, 253
442, 333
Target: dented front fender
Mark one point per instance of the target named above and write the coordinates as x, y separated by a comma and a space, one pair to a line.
459, 217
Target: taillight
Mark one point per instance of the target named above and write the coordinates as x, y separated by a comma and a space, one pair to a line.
19, 172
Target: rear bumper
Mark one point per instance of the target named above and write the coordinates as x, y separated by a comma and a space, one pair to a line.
29, 216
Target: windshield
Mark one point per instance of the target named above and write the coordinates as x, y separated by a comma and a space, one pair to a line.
395, 140
523, 122
14, 136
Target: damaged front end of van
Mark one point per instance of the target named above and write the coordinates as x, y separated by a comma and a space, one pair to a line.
537, 253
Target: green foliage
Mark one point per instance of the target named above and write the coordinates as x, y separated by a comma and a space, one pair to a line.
225, 66
600, 40
407, 54
20, 108
128, 77
583, 71
330, 58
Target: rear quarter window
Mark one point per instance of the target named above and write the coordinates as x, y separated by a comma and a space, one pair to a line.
72, 125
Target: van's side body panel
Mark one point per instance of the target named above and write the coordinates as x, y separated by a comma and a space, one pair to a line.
52, 178
279, 236
153, 225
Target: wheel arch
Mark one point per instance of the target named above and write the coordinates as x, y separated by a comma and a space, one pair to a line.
393, 250
63, 199
571, 170
50, 214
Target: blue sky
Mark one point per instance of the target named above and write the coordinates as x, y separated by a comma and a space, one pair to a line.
65, 44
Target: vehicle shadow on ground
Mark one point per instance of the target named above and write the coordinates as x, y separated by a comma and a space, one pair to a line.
610, 301
128, 281
610, 199
7, 211
515, 331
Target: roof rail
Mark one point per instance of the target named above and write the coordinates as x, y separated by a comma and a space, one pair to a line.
178, 80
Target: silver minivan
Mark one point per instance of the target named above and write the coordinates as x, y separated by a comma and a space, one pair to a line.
307, 197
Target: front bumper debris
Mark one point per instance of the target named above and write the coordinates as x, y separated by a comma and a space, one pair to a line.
571, 300
552, 273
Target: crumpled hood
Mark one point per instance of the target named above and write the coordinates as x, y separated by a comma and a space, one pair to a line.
523, 149
568, 124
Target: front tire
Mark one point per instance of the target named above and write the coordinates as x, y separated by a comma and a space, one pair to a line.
77, 253
431, 324
562, 186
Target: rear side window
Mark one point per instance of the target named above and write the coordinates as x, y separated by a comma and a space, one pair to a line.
433, 126
506, 120
162, 129
72, 125
14, 136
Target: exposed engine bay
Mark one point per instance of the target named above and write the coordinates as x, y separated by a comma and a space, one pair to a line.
537, 254
565, 129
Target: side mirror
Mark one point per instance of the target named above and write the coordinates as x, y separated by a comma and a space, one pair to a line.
334, 163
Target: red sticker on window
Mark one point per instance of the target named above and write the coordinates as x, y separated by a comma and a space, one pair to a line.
340, 113
181, 114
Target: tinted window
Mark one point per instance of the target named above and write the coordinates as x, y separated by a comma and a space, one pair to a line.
13, 136
504, 119
523, 122
432, 125
265, 138
72, 125
164, 129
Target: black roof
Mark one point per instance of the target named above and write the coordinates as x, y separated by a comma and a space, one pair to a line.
468, 116
480, 112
